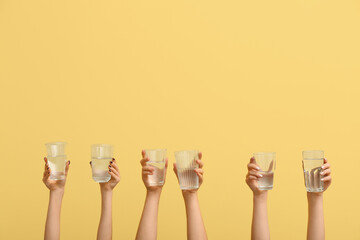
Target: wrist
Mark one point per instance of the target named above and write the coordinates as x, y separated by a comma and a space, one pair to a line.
58, 191
315, 195
261, 196
189, 194
154, 192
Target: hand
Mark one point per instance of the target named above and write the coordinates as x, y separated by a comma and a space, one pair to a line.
325, 173
115, 176
199, 171
253, 176
53, 185
149, 170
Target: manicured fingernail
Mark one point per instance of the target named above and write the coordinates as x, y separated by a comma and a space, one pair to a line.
109, 165
113, 159
90, 162
69, 162
47, 167
321, 173
322, 179
257, 168
323, 167
260, 175
110, 170
110, 162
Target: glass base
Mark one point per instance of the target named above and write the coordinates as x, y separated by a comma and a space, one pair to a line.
57, 176
314, 189
156, 184
266, 188
189, 188
101, 179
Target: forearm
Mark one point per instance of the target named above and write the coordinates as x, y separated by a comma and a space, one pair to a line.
52, 226
316, 227
260, 226
105, 224
195, 225
148, 224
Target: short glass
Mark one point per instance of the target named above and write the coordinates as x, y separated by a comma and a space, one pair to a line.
101, 155
186, 165
157, 161
266, 162
312, 163
56, 159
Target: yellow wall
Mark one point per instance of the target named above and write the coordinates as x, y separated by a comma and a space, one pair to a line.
226, 77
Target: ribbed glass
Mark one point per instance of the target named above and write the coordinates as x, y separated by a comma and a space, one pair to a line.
186, 165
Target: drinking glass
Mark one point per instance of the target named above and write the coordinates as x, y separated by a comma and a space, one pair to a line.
312, 162
101, 155
266, 162
56, 159
157, 161
186, 164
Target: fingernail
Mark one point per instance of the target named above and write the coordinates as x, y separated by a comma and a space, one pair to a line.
90, 162
48, 168
321, 173
110, 162
257, 168
260, 175
69, 162
113, 159
322, 179
109, 165
110, 170
322, 167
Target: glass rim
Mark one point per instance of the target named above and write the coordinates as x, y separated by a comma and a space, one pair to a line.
311, 151
55, 143
264, 153
156, 149
180, 151
101, 145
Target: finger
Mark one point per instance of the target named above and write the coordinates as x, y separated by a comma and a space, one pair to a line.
255, 173
200, 175
166, 163
175, 168
148, 168
200, 171
111, 167
252, 166
143, 153
325, 160
252, 160
45, 160
200, 163
147, 173
90, 164
326, 172
251, 177
114, 176
144, 161
200, 155
67, 167
326, 179
114, 165
325, 166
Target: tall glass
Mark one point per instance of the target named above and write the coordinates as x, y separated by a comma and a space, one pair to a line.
312, 162
56, 159
267, 164
157, 161
101, 155
186, 165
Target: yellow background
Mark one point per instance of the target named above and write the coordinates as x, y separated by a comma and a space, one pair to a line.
225, 77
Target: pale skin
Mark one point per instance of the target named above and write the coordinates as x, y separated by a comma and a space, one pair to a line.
316, 225
195, 224
56, 187
260, 226
106, 190
147, 229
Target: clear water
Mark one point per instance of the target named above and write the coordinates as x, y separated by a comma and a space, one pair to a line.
100, 168
188, 178
267, 181
57, 166
157, 179
312, 177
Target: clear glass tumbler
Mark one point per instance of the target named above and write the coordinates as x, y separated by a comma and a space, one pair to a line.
56, 159
101, 155
186, 164
312, 162
267, 164
157, 161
